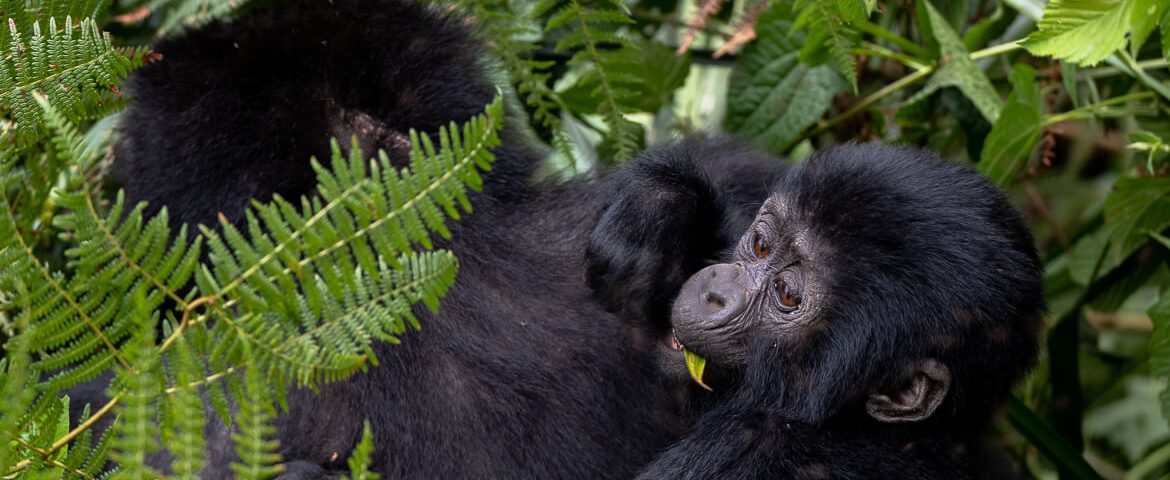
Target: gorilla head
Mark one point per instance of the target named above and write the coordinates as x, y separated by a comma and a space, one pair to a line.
874, 279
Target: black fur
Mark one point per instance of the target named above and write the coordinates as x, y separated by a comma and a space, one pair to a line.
522, 374
916, 258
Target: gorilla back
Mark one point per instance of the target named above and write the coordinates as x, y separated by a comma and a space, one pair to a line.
521, 374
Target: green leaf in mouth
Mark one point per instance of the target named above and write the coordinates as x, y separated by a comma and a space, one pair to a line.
695, 365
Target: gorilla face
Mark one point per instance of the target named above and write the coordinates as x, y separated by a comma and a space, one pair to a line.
770, 289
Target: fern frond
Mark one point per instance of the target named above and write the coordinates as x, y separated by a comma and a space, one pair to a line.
590, 28
311, 288
185, 14
14, 386
359, 461
139, 387
185, 413
83, 318
504, 30
254, 442
24, 13
830, 37
71, 65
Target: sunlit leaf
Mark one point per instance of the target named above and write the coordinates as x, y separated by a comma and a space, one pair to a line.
1087, 31
695, 366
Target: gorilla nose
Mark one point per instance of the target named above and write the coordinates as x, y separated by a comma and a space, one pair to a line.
720, 294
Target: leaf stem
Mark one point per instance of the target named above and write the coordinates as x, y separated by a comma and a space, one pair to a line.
1089, 111
1136, 71
878, 32
876, 50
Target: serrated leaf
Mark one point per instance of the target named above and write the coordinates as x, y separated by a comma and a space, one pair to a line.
1006, 150
1086, 31
957, 69
773, 97
1136, 207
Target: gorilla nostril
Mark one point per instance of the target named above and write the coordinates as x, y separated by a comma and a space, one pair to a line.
715, 301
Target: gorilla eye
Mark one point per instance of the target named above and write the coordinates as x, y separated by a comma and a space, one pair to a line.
759, 248
788, 290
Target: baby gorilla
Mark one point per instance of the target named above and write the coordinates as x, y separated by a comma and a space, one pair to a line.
876, 312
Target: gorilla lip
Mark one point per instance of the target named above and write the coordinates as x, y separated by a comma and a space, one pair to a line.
673, 343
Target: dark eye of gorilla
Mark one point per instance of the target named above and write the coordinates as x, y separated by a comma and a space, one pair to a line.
788, 288
759, 248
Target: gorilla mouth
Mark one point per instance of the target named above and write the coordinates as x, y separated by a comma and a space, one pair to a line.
672, 342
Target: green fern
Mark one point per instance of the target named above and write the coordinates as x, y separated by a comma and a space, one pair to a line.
184, 413
254, 443
15, 381
297, 296
359, 461
830, 38
23, 14
604, 69
315, 285
74, 65
504, 28
184, 14
138, 386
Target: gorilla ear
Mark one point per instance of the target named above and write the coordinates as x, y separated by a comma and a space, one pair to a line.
916, 400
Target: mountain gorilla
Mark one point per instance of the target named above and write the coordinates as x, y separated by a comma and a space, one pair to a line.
521, 374
880, 305
874, 314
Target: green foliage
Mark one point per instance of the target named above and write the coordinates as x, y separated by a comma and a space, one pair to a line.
138, 386
1159, 345
293, 294
774, 97
183, 14
297, 291
70, 65
1087, 31
254, 443
830, 38
359, 462
956, 68
1015, 132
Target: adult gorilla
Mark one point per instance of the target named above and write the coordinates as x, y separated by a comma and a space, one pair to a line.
522, 374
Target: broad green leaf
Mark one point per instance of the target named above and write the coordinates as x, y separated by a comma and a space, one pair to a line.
1159, 345
1136, 207
1006, 150
1087, 31
957, 69
773, 97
